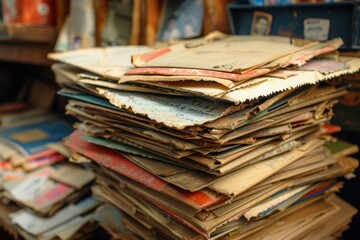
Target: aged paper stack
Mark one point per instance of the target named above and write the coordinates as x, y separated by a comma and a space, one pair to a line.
217, 138
42, 196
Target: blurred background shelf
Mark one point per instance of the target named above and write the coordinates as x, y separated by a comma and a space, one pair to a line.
26, 44
23, 33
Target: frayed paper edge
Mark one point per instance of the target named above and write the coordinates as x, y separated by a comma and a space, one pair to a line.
275, 85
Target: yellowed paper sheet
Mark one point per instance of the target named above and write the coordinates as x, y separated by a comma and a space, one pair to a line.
73, 176
255, 173
173, 112
273, 85
111, 62
340, 218
229, 54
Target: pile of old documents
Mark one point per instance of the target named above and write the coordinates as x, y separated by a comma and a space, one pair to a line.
42, 196
218, 138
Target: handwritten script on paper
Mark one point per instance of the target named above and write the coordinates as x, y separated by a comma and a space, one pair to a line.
178, 112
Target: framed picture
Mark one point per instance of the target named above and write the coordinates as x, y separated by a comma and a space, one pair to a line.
181, 19
261, 23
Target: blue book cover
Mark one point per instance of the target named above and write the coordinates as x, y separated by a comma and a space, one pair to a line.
32, 139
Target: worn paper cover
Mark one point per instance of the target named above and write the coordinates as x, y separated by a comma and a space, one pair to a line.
111, 62
231, 54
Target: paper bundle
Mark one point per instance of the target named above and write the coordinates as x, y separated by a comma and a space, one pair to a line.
216, 138
42, 196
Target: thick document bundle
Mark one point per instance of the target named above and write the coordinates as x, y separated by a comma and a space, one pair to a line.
214, 138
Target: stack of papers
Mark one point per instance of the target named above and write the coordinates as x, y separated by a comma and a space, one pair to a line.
24, 146
213, 138
42, 196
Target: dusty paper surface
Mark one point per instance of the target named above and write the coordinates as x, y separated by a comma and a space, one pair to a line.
128, 204
173, 112
298, 221
271, 220
256, 210
112, 160
340, 218
243, 203
309, 51
121, 141
73, 176
229, 55
128, 143
316, 167
273, 85
298, 58
182, 177
255, 173
257, 152
175, 209
233, 120
185, 215
260, 86
312, 93
111, 62
341, 168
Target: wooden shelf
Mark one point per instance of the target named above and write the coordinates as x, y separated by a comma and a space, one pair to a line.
350, 54
22, 33
26, 44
